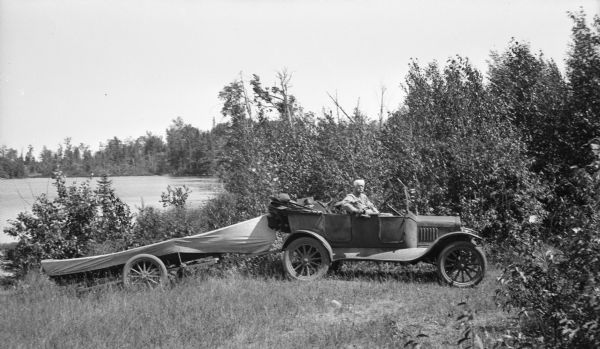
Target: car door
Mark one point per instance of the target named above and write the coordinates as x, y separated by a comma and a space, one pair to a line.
377, 231
392, 230
365, 231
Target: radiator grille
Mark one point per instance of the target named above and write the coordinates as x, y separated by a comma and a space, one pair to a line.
427, 234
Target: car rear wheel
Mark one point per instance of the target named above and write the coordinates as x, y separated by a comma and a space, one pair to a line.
305, 259
461, 264
144, 271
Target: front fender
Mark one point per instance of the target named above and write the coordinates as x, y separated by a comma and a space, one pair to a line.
438, 245
465, 234
308, 233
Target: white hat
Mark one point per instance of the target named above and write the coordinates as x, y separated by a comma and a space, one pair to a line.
359, 182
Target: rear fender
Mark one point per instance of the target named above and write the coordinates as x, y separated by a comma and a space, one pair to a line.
308, 233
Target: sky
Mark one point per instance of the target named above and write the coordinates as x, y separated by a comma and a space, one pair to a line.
95, 69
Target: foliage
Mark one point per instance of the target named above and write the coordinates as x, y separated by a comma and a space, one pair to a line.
583, 71
531, 93
555, 283
11, 164
449, 142
112, 227
153, 225
225, 209
553, 280
71, 225
287, 150
188, 149
175, 197
463, 158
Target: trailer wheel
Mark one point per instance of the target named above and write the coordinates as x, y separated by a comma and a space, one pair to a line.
144, 271
461, 264
305, 259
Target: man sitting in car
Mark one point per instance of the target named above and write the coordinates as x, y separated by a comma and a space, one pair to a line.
357, 202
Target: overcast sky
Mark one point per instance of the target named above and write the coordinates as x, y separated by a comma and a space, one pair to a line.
94, 69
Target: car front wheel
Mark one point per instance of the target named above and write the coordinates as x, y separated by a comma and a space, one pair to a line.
461, 264
306, 259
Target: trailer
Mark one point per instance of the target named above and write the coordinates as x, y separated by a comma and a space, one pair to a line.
150, 265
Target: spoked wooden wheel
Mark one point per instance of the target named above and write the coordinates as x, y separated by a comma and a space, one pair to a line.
144, 271
306, 259
461, 264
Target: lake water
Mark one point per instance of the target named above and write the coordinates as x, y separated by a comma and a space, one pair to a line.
17, 195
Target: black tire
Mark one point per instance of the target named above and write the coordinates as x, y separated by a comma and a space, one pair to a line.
306, 259
144, 271
461, 264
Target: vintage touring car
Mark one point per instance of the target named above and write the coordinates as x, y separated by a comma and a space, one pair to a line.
319, 237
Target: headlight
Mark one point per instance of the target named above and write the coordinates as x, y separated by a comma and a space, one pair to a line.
468, 230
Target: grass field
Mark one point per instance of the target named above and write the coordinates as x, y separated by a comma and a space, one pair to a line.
357, 307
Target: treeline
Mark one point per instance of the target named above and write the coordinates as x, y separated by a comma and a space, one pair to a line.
186, 151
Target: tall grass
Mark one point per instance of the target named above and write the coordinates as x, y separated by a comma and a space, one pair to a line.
371, 309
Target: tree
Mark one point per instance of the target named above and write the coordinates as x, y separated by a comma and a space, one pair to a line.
532, 94
30, 162
154, 150
11, 164
553, 279
113, 222
239, 149
187, 149
48, 162
582, 124
460, 156
276, 98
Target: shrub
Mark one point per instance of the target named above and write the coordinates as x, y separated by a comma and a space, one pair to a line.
553, 279
176, 196
71, 225
554, 283
154, 225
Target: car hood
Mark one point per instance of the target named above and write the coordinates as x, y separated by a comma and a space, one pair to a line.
438, 221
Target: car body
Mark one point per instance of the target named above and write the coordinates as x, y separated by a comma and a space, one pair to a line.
319, 237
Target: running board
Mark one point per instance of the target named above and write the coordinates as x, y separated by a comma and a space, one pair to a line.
377, 254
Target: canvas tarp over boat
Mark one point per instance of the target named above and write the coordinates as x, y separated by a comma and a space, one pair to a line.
251, 236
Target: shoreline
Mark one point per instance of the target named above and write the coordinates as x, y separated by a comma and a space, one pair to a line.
79, 175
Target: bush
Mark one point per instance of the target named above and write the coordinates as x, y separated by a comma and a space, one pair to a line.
553, 279
153, 225
554, 283
175, 197
72, 225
